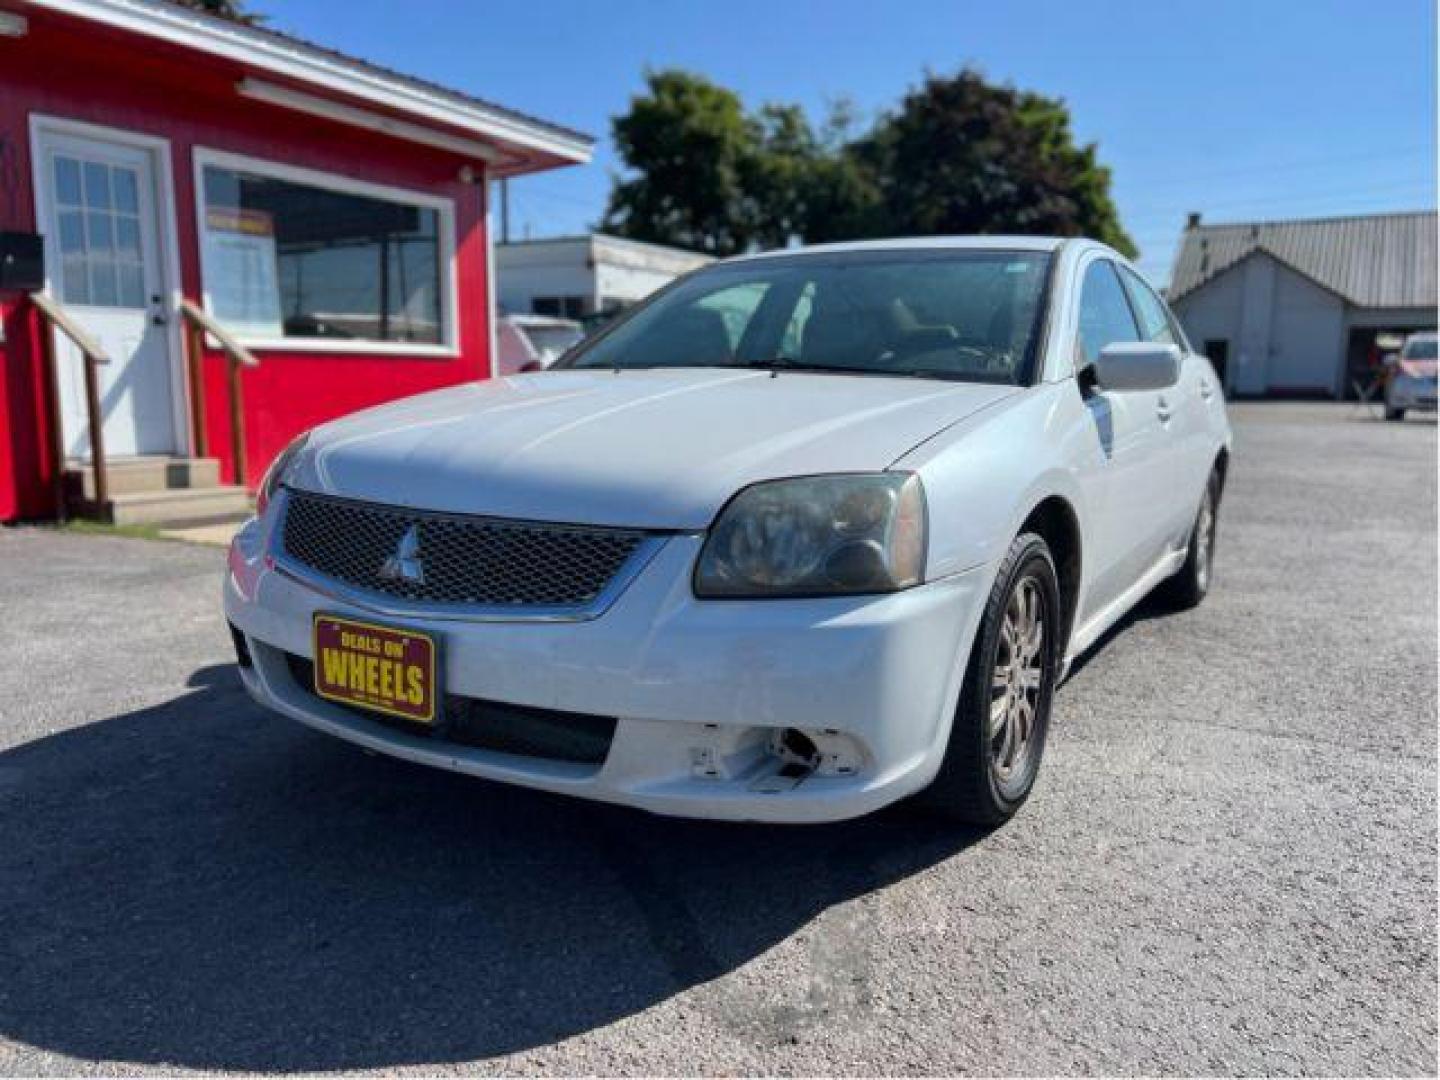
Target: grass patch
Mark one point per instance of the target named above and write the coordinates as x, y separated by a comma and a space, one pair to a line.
134, 532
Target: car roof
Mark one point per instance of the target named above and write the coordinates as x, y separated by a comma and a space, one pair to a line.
917, 243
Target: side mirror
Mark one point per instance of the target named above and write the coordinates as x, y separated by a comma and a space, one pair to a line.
1138, 365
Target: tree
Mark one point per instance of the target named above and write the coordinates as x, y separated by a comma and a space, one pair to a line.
693, 154
960, 155
963, 155
234, 10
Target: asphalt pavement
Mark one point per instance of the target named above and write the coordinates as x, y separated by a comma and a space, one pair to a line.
1228, 865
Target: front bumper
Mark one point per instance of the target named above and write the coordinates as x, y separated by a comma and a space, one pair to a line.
1406, 392
698, 688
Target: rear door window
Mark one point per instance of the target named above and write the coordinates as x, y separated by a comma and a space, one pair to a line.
1154, 320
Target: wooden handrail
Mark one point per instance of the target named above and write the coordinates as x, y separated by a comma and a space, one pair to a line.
55, 316
226, 340
58, 316
198, 323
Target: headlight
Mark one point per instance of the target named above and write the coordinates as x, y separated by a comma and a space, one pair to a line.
817, 536
275, 475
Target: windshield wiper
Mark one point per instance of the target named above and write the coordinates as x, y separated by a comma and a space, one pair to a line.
784, 363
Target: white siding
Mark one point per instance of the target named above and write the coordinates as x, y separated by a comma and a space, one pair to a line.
1307, 338
1284, 332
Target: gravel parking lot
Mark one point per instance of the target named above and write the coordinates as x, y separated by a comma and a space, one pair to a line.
1228, 865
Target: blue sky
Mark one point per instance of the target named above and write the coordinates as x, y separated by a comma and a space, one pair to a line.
1241, 110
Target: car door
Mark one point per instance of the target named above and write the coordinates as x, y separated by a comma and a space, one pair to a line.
1185, 445
1133, 505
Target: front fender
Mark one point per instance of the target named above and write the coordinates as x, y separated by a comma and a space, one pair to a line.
986, 475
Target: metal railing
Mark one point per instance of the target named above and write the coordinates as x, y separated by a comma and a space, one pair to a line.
54, 317
198, 323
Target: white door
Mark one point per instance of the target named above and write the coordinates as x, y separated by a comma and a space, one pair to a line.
1131, 488
98, 205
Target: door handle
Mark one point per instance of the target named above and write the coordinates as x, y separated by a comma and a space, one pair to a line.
1162, 410
1207, 389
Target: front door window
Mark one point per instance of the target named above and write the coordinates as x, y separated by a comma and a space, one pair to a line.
98, 213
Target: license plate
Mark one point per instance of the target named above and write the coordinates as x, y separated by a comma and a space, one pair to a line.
388, 669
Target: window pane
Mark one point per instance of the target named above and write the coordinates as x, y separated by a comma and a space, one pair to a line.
126, 195
67, 181
97, 186
127, 236
72, 232
1104, 312
1154, 323
292, 259
74, 282
132, 284
103, 291
98, 232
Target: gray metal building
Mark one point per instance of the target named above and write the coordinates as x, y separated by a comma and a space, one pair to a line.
1295, 307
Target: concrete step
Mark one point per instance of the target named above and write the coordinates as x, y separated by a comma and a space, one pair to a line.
150, 473
181, 506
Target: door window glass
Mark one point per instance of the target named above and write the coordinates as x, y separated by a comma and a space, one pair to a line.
97, 211
1105, 316
1154, 322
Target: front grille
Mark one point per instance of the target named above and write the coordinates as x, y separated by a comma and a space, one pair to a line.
487, 562
549, 734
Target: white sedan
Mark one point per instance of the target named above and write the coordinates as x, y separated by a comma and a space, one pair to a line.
806, 533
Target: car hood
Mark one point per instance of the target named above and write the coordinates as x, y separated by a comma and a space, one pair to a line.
662, 449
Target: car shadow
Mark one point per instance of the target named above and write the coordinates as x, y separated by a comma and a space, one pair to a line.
198, 884
1153, 606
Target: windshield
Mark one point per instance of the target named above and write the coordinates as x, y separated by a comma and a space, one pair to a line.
951, 314
1422, 349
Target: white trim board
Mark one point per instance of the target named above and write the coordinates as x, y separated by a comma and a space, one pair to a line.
450, 270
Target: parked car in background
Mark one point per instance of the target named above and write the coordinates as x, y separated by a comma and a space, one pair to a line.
802, 535
533, 342
1413, 376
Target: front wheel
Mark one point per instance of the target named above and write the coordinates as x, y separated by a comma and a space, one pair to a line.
999, 730
1394, 414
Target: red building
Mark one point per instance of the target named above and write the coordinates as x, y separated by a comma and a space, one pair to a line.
330, 215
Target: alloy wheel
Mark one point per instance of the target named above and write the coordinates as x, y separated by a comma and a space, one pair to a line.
1204, 540
1017, 680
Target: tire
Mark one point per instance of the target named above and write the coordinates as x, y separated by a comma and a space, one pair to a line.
1191, 582
1394, 414
986, 776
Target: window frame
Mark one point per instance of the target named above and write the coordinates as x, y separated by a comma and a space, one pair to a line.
449, 346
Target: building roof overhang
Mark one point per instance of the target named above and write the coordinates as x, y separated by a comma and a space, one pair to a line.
291, 73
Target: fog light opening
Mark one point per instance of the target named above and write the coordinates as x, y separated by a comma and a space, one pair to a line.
798, 754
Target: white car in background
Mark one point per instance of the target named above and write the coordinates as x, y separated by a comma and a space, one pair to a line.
533, 342
802, 535
1411, 384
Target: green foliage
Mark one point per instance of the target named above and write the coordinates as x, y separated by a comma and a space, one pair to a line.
960, 155
694, 155
234, 10
965, 156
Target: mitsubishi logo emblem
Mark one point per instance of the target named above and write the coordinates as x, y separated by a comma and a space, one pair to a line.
405, 564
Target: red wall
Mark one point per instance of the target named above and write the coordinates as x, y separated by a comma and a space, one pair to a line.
68, 70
